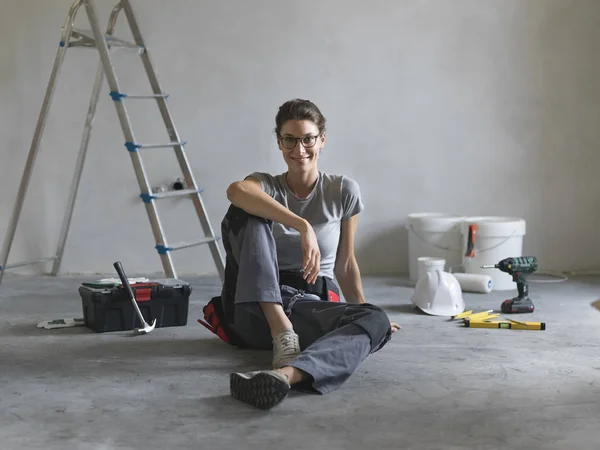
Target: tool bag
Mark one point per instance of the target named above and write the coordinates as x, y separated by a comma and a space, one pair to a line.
324, 287
214, 321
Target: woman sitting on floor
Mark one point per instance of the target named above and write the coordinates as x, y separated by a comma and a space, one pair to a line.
286, 238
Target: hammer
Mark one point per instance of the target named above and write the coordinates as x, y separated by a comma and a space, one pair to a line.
146, 328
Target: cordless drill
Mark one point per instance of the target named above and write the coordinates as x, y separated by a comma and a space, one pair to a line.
519, 268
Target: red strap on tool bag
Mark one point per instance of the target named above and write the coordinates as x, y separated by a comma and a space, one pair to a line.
333, 296
214, 321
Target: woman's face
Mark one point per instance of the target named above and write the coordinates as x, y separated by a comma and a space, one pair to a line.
300, 143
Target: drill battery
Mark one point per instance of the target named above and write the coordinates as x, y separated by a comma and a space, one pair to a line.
512, 306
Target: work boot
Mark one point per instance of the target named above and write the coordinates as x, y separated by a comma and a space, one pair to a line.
286, 346
263, 389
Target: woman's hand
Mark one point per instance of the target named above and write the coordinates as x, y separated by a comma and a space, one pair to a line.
395, 327
311, 255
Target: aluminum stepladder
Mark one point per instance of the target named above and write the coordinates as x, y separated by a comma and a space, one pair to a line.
72, 37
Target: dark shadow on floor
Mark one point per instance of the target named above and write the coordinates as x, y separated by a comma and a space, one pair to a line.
225, 407
403, 309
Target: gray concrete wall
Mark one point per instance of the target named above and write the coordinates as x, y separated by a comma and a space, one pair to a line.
475, 107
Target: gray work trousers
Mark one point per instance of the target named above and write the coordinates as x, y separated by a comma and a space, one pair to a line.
335, 338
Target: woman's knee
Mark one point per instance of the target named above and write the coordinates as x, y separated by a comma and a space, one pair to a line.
373, 320
237, 219
245, 236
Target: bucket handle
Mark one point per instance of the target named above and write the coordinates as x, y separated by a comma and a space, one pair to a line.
492, 247
431, 243
458, 249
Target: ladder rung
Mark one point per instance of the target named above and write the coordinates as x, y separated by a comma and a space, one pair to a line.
180, 193
85, 38
181, 245
28, 263
118, 96
133, 147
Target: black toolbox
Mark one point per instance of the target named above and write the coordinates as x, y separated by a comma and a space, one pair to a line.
109, 308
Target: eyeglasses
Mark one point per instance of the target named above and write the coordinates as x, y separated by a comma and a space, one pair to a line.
290, 142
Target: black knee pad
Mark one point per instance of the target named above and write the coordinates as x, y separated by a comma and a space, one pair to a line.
372, 319
236, 218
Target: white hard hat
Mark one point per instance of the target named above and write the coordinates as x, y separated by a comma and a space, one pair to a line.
438, 293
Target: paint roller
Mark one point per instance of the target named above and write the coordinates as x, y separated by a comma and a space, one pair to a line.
473, 282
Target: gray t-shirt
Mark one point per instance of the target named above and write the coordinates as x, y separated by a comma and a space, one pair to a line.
333, 199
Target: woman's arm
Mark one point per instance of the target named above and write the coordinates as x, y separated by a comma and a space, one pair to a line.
249, 196
346, 267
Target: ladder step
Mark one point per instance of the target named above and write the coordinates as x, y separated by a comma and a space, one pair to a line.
180, 193
133, 147
28, 263
118, 96
85, 38
181, 245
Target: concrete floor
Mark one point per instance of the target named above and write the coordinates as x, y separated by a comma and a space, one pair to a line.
436, 385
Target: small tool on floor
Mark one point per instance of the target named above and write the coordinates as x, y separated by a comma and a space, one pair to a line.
508, 324
65, 322
483, 319
519, 268
470, 315
146, 328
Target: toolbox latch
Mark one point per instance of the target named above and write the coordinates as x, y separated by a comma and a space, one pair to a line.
143, 294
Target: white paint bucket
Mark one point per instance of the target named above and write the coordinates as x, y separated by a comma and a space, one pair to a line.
433, 235
429, 264
496, 238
